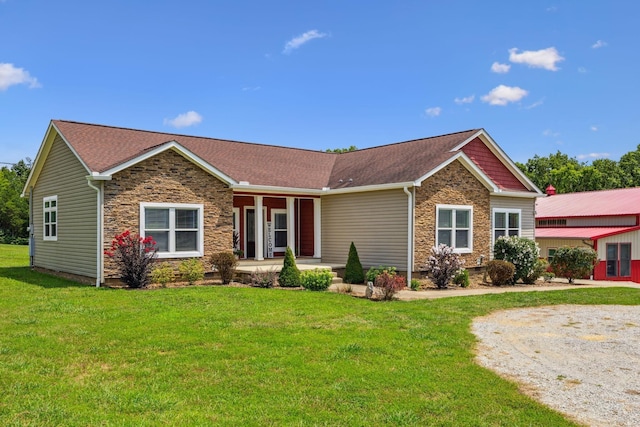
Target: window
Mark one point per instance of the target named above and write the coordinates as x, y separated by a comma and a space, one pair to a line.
50, 218
506, 222
176, 228
552, 223
279, 218
618, 259
551, 252
454, 227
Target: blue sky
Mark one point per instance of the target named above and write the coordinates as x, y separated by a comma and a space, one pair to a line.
538, 76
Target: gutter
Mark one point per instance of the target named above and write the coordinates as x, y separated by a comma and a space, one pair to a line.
99, 220
409, 233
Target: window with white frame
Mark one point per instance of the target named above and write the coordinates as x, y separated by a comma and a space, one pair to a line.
177, 228
50, 218
506, 222
279, 218
454, 227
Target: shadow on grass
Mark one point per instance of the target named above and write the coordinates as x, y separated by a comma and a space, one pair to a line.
32, 277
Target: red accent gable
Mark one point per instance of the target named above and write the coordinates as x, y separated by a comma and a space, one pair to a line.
482, 156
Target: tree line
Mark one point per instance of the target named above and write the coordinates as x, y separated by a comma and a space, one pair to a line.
14, 210
568, 175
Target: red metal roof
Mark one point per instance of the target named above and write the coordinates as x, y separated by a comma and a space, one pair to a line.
592, 233
623, 201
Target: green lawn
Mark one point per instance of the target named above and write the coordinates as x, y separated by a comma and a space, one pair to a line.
76, 355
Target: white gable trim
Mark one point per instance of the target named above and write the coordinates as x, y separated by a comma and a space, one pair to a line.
501, 155
171, 145
469, 165
43, 153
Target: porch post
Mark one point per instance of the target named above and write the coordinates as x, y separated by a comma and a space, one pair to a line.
291, 224
259, 229
317, 228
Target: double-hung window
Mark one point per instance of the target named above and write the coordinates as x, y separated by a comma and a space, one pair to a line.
177, 228
454, 227
506, 222
50, 218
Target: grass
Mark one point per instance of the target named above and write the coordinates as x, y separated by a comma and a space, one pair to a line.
77, 355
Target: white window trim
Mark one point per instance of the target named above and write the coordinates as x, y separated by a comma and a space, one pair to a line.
453, 228
506, 212
44, 223
273, 222
236, 229
172, 207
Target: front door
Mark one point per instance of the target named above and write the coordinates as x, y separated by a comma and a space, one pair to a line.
251, 233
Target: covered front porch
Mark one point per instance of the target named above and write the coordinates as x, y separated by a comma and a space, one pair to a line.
266, 224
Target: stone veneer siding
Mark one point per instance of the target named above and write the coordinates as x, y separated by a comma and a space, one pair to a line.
167, 178
453, 185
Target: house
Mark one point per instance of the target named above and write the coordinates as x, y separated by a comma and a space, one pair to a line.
607, 221
90, 182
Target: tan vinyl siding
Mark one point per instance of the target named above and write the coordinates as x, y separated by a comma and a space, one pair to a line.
610, 221
375, 221
526, 205
75, 249
632, 237
546, 244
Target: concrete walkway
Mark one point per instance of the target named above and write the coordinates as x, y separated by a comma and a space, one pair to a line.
557, 285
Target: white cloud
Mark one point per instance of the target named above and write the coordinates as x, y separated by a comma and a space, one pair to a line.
502, 95
599, 44
550, 133
535, 104
298, 41
582, 70
594, 128
250, 88
189, 118
465, 100
499, 68
552, 9
11, 75
433, 111
592, 156
543, 58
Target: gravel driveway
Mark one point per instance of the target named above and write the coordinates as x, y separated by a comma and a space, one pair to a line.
581, 360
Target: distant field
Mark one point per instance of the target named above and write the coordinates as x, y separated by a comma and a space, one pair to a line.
77, 355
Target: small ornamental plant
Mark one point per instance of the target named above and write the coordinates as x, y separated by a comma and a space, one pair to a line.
316, 280
374, 272
134, 256
353, 270
390, 284
225, 263
289, 276
501, 272
191, 270
442, 265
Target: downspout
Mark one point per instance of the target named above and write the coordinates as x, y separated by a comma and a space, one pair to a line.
32, 240
99, 248
409, 233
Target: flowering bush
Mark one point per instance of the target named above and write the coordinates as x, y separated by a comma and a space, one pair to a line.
389, 284
442, 265
519, 251
134, 256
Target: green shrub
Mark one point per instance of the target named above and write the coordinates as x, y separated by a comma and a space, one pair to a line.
389, 284
191, 270
519, 251
162, 274
442, 265
573, 263
538, 270
374, 272
462, 278
264, 279
501, 272
316, 280
289, 275
414, 284
225, 263
353, 272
